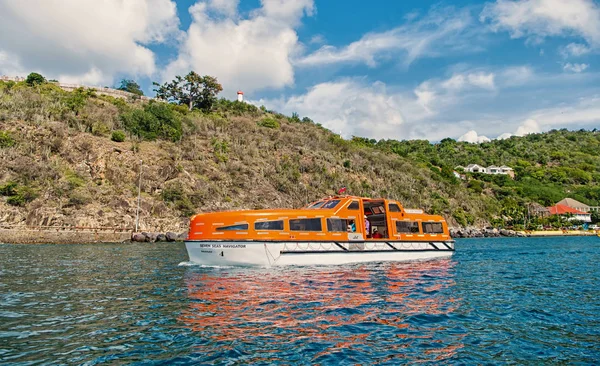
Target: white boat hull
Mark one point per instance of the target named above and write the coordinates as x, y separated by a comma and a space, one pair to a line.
268, 254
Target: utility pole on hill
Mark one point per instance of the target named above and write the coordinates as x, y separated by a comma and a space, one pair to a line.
137, 213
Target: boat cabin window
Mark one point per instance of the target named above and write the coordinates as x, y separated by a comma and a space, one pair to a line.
407, 227
432, 228
305, 225
337, 225
353, 205
394, 207
268, 225
233, 227
378, 210
317, 204
330, 204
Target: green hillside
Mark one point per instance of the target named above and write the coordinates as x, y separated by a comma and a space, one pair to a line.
73, 158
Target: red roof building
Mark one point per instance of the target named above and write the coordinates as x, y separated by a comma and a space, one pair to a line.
559, 209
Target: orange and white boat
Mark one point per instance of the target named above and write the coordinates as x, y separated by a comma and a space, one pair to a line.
334, 230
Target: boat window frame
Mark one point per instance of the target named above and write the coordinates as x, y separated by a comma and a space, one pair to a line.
344, 226
431, 223
313, 219
412, 225
394, 204
234, 227
349, 207
337, 202
316, 205
268, 222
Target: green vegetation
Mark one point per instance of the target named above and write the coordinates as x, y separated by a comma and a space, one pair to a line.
130, 86
118, 136
6, 140
192, 90
17, 195
35, 79
154, 120
222, 154
268, 122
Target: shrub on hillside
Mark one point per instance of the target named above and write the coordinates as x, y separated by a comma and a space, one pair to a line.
8, 189
118, 136
156, 120
175, 194
268, 122
18, 195
6, 140
35, 79
235, 107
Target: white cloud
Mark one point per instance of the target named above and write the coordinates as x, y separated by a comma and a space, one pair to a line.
84, 41
439, 108
516, 75
478, 79
473, 137
249, 54
529, 126
575, 67
351, 108
317, 39
442, 31
575, 50
536, 19
504, 136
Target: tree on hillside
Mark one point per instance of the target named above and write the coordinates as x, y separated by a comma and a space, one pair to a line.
193, 90
35, 79
130, 86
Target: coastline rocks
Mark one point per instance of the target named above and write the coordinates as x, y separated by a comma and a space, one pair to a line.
171, 236
138, 237
472, 232
147, 237
150, 237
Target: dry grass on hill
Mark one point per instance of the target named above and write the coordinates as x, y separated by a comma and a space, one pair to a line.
71, 173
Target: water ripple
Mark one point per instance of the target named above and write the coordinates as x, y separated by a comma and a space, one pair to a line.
497, 301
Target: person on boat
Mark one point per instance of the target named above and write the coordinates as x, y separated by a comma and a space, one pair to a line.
367, 226
352, 227
376, 234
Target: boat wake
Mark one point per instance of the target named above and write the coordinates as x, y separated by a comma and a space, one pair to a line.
192, 264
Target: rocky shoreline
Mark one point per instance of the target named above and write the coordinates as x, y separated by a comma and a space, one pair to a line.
471, 232
148, 237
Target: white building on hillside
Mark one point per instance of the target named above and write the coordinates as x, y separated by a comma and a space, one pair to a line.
474, 168
492, 169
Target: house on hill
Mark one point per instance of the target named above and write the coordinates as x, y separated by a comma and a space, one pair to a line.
537, 210
475, 168
578, 205
572, 213
492, 169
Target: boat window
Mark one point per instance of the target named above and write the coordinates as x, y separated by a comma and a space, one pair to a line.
407, 226
317, 204
269, 225
233, 227
432, 228
353, 206
378, 209
337, 225
305, 225
331, 204
394, 207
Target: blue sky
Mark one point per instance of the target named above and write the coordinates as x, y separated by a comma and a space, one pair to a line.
469, 70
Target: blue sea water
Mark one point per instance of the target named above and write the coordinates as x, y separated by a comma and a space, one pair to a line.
497, 301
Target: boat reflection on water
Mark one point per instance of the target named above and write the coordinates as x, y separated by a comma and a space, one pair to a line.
373, 312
